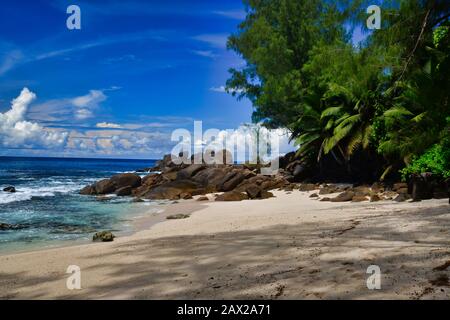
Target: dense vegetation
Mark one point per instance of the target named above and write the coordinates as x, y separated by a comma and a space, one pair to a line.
370, 110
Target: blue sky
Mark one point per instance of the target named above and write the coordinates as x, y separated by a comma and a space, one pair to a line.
118, 87
135, 67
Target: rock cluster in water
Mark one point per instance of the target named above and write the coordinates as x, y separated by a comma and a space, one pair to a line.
7, 226
10, 189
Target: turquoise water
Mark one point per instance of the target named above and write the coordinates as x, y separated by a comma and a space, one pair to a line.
48, 208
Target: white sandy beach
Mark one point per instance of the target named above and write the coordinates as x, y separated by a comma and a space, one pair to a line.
288, 247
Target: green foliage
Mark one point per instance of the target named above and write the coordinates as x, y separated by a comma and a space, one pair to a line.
389, 95
420, 104
440, 36
435, 160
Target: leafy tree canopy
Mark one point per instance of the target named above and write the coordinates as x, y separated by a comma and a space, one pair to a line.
388, 96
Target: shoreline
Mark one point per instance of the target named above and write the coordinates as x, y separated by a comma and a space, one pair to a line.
130, 225
284, 247
144, 220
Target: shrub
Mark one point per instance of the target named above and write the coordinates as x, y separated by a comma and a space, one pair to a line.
436, 160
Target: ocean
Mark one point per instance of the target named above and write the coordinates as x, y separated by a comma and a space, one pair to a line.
48, 208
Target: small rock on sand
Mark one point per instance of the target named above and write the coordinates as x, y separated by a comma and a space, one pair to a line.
178, 216
104, 236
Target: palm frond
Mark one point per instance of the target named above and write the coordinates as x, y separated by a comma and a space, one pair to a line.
332, 111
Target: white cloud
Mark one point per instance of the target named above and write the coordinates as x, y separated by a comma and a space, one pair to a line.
93, 98
222, 89
108, 125
16, 132
69, 109
214, 40
16, 57
83, 114
232, 14
244, 139
204, 53
79, 144
10, 60
130, 143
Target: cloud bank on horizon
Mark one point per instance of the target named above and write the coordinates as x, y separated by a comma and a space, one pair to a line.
104, 139
136, 71
16, 132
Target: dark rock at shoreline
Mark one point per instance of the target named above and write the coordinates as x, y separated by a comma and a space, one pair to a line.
10, 189
402, 191
377, 187
344, 197
125, 180
104, 236
448, 191
440, 195
170, 176
286, 160
184, 181
253, 191
266, 194
189, 172
298, 170
124, 191
171, 190
328, 190
288, 188
308, 187
232, 196
211, 175
186, 196
390, 195
402, 197
165, 162
112, 185
272, 183
422, 186
359, 198
171, 181
7, 226
362, 191
178, 216
153, 179
400, 186
204, 198
428, 186
231, 180
88, 191
105, 186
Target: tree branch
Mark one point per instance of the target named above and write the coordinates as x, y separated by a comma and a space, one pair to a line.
424, 26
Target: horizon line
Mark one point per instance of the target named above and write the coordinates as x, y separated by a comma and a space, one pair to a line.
77, 158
